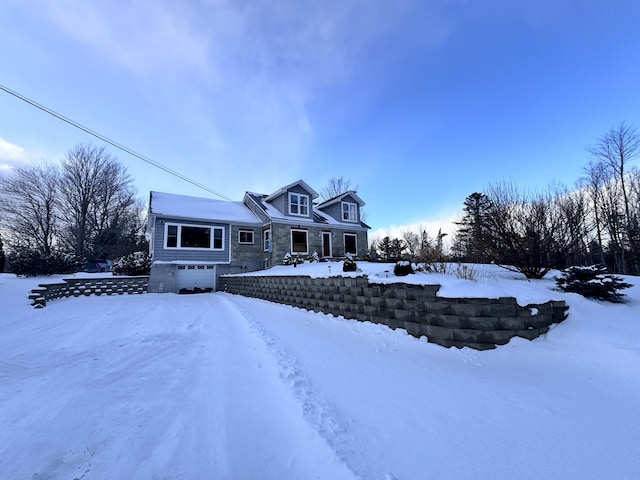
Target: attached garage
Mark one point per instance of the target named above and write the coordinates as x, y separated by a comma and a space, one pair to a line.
192, 276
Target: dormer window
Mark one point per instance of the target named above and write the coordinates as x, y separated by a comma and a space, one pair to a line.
298, 204
349, 212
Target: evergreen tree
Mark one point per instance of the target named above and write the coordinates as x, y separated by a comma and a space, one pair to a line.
473, 239
398, 246
384, 249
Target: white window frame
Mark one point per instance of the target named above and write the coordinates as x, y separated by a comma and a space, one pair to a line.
298, 204
246, 231
344, 239
179, 239
306, 234
351, 212
267, 240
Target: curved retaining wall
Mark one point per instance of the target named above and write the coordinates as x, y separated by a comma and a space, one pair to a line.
479, 323
75, 287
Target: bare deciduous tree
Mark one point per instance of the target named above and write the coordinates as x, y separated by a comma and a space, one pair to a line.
97, 196
615, 150
594, 183
527, 230
336, 186
412, 243
29, 203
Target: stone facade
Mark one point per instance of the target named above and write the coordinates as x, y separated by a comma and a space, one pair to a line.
75, 287
247, 256
479, 323
162, 278
281, 238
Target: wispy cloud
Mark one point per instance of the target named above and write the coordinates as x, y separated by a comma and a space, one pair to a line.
146, 38
280, 53
244, 74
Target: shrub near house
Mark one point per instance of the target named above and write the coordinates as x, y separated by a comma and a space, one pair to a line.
134, 264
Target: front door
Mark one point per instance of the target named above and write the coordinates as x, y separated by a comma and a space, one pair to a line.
326, 244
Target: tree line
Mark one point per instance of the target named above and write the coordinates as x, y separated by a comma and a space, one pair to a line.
596, 222
416, 246
85, 207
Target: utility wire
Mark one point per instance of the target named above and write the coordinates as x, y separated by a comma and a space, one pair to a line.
112, 142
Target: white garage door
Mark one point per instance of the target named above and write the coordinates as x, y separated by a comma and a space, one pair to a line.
191, 276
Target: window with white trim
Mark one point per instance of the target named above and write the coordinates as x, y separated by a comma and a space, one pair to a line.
349, 212
299, 243
198, 237
245, 237
267, 240
350, 243
298, 204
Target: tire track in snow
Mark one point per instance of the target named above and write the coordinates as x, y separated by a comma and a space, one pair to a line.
319, 413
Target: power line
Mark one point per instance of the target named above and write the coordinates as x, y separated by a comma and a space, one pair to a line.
112, 142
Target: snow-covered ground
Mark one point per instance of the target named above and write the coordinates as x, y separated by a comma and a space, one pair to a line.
216, 386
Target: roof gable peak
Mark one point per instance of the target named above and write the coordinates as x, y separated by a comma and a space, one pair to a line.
284, 189
338, 198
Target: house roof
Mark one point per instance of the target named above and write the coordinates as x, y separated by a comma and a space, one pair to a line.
338, 198
319, 217
282, 190
183, 206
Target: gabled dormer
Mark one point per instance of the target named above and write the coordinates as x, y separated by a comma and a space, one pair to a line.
294, 201
344, 208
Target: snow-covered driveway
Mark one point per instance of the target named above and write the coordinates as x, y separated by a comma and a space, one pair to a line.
181, 387
225, 387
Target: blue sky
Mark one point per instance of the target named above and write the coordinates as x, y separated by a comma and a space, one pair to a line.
418, 103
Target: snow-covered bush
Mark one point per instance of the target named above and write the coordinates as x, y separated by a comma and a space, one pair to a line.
31, 263
349, 264
314, 257
292, 259
402, 268
594, 282
134, 264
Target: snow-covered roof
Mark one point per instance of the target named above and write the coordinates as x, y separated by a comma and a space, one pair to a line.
338, 198
282, 190
184, 206
319, 217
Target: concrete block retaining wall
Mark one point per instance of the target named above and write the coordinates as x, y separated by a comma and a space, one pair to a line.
479, 323
75, 287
